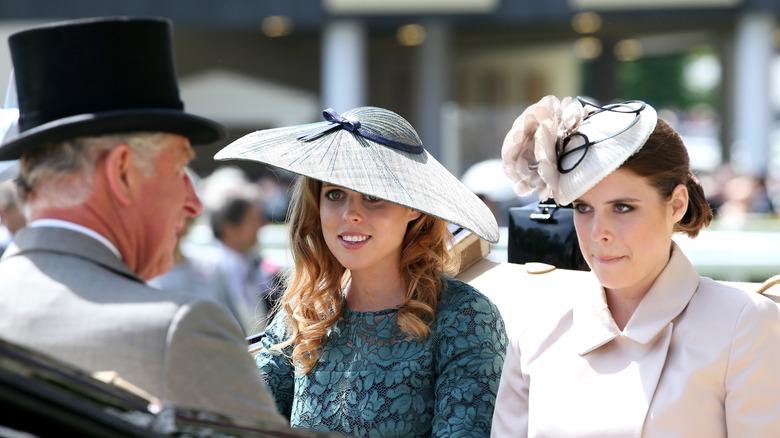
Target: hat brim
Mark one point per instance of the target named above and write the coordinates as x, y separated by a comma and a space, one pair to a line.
199, 130
348, 160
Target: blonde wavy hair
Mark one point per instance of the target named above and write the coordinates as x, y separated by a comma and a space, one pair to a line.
312, 299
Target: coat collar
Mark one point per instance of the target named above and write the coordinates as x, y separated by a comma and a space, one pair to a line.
666, 299
67, 242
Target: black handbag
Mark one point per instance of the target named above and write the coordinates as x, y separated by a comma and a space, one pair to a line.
544, 232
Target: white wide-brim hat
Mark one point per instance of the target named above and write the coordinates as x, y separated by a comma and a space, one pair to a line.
606, 138
372, 151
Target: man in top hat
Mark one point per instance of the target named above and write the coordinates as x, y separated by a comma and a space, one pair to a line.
103, 142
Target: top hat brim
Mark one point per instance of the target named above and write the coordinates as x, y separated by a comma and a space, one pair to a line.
199, 130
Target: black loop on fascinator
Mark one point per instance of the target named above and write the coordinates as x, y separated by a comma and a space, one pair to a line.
354, 126
623, 107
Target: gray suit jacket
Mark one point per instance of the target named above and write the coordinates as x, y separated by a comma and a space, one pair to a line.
64, 293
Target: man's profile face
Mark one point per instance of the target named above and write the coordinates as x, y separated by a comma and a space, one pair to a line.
167, 199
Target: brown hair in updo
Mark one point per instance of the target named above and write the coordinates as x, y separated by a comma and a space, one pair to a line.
664, 161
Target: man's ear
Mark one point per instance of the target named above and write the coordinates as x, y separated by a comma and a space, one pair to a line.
121, 173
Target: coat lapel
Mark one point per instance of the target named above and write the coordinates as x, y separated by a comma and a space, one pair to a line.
666, 299
631, 362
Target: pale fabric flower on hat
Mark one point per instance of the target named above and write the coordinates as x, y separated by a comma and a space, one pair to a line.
563, 148
530, 150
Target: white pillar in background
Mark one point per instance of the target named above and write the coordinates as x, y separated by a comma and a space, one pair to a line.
753, 52
343, 76
432, 84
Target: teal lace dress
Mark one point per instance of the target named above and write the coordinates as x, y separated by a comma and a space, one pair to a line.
373, 381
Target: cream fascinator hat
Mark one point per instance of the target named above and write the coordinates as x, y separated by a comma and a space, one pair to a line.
371, 151
564, 148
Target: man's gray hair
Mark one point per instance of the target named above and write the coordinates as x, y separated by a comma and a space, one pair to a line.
60, 174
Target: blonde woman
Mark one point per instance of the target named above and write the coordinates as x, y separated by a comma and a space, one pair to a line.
372, 337
648, 347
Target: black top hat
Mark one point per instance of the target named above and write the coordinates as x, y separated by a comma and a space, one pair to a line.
98, 76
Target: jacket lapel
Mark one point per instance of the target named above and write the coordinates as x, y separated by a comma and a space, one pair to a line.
633, 359
666, 299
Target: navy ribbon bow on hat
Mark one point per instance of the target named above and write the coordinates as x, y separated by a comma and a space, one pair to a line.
354, 126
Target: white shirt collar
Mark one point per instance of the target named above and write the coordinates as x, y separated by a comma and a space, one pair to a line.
58, 223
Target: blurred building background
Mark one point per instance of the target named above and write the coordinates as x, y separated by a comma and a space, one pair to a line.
462, 70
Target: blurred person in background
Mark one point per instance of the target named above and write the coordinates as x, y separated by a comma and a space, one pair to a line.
273, 194
103, 144
240, 278
743, 195
224, 257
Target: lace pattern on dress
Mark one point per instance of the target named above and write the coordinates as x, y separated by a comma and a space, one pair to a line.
372, 380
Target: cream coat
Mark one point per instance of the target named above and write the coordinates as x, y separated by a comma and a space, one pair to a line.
697, 359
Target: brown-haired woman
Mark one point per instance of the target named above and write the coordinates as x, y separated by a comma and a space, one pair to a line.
372, 338
650, 348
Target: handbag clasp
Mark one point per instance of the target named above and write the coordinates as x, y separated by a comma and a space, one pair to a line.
544, 211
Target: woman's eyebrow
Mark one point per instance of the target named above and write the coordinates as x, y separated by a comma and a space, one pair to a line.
611, 201
622, 200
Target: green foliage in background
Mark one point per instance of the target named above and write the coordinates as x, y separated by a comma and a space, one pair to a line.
660, 80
